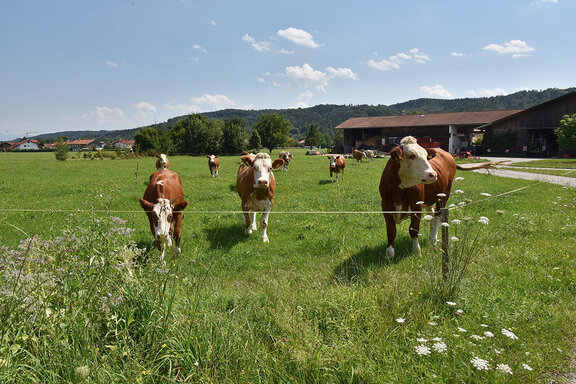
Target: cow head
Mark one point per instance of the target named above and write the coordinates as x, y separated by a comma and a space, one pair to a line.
414, 167
333, 159
160, 215
212, 158
162, 162
262, 166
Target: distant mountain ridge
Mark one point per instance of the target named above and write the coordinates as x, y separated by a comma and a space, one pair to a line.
328, 116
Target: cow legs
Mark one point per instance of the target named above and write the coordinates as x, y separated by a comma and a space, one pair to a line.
414, 231
391, 233
249, 219
264, 225
434, 225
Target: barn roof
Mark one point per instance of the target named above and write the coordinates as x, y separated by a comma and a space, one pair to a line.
433, 119
80, 142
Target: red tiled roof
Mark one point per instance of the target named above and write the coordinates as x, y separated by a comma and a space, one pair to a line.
433, 119
80, 142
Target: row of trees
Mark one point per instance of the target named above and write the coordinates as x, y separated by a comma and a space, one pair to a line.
197, 134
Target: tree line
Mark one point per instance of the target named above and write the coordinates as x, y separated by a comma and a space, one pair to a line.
199, 134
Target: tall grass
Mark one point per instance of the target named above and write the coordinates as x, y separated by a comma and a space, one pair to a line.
84, 298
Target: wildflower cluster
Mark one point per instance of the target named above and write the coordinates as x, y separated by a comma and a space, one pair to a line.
485, 355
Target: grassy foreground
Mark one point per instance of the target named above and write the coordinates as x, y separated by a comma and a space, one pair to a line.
84, 299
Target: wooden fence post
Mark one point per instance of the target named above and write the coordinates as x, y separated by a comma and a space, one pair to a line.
444, 213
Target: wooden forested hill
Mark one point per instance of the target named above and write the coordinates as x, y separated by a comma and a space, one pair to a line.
327, 116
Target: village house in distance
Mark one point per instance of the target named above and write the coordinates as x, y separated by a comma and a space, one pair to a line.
75, 145
529, 131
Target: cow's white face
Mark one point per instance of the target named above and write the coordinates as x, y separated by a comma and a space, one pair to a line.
212, 159
333, 160
262, 170
415, 167
162, 220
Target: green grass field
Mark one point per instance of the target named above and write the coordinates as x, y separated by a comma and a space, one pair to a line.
86, 300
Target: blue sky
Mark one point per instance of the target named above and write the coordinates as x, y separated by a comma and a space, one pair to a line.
118, 64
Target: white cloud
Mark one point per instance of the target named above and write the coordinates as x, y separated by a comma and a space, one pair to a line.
103, 114
111, 64
285, 52
345, 73
459, 54
435, 91
145, 107
309, 76
488, 92
205, 103
539, 3
298, 36
517, 48
213, 23
199, 48
260, 46
395, 61
304, 99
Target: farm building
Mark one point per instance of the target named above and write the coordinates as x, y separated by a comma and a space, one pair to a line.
26, 145
123, 144
531, 130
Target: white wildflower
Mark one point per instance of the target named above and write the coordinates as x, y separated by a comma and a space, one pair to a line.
454, 238
432, 323
400, 320
445, 225
527, 367
462, 203
459, 312
456, 221
486, 194
509, 334
488, 334
420, 202
458, 191
427, 218
458, 178
437, 339
484, 220
480, 364
497, 351
484, 325
421, 340
462, 329
451, 303
440, 347
422, 350
441, 194
500, 212
477, 337
504, 368
452, 206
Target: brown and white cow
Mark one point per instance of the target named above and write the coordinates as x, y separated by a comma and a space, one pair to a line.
414, 177
162, 162
369, 155
286, 156
213, 164
337, 165
256, 185
164, 202
358, 155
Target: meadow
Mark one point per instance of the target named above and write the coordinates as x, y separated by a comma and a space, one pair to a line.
84, 297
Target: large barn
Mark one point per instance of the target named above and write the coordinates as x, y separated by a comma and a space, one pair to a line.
530, 131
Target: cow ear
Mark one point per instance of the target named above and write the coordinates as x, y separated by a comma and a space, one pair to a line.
431, 153
207, 156
146, 205
396, 153
180, 206
247, 159
277, 163
216, 156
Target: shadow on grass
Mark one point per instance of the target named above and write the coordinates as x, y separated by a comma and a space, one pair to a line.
225, 237
358, 266
324, 182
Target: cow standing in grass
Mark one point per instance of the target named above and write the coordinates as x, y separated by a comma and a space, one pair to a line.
369, 155
358, 155
163, 203
414, 177
287, 157
337, 165
213, 164
256, 185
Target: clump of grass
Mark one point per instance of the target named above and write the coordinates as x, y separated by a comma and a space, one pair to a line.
78, 306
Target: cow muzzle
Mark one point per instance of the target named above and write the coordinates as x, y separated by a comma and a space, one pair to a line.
431, 177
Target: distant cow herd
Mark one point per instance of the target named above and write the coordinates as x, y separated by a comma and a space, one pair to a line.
413, 178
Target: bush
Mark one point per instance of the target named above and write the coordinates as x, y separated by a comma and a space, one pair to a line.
62, 151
